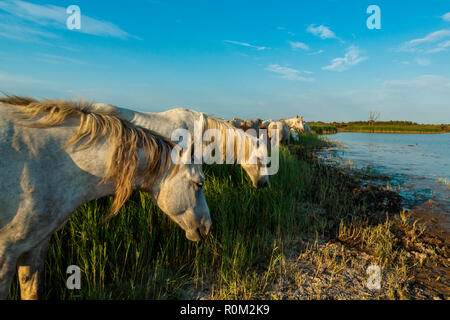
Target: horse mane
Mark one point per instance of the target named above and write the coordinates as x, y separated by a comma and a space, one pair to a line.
216, 123
249, 140
16, 100
125, 139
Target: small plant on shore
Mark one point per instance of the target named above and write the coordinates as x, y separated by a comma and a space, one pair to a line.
444, 181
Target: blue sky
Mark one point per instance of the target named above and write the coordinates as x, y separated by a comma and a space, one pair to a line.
267, 59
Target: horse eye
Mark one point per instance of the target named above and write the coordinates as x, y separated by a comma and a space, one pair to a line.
199, 185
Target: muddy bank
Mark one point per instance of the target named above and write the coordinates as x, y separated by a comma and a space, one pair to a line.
420, 233
433, 276
411, 247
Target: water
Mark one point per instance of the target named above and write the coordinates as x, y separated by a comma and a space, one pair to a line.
417, 164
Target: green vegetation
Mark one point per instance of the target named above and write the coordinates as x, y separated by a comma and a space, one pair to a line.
141, 254
394, 129
377, 127
323, 129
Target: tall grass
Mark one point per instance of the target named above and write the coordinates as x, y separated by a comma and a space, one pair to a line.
141, 254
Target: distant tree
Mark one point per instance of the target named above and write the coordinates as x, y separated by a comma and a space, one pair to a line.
373, 117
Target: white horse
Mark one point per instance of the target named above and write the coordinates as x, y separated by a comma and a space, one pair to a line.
266, 123
164, 123
58, 155
294, 135
284, 133
295, 123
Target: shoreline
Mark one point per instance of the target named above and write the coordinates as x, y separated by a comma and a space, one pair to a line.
438, 222
432, 274
386, 127
387, 132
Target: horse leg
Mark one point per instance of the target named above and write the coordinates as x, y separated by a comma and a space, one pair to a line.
31, 271
7, 271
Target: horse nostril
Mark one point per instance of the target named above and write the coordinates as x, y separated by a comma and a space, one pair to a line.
263, 184
200, 233
204, 230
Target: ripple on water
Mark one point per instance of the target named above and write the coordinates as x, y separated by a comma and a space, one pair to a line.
413, 162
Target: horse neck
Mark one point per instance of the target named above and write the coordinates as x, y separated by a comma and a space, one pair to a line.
162, 123
247, 140
141, 119
93, 163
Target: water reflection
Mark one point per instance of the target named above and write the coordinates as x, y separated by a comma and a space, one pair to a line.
417, 164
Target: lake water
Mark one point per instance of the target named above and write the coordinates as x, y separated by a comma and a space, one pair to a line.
417, 164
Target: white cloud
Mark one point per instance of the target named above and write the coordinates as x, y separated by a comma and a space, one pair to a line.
285, 30
321, 31
427, 43
17, 31
298, 45
440, 47
445, 44
287, 73
352, 58
55, 59
55, 16
431, 37
316, 52
446, 17
246, 45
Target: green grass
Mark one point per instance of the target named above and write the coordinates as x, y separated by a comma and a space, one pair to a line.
141, 254
323, 129
395, 129
377, 127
